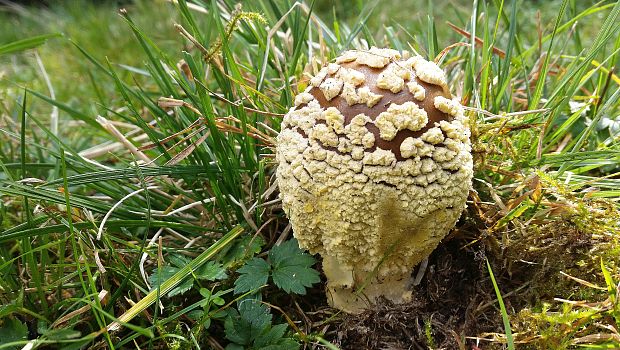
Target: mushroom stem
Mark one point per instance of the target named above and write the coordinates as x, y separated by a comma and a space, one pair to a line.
354, 298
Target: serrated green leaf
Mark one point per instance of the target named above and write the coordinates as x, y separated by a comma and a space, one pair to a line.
284, 344
284, 251
295, 278
270, 336
246, 325
178, 260
211, 271
297, 258
253, 275
246, 246
292, 271
12, 330
158, 277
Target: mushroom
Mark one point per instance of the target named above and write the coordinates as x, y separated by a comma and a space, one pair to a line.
374, 168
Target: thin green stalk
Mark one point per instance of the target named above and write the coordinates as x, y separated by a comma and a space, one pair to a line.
29, 258
542, 76
502, 307
86, 285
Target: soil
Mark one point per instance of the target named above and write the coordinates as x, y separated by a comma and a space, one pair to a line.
455, 305
452, 302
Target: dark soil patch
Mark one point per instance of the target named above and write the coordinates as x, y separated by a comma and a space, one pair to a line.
455, 303
455, 300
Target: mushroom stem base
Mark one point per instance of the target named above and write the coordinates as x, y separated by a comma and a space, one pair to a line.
355, 302
354, 291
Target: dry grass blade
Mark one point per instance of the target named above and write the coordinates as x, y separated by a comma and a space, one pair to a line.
479, 42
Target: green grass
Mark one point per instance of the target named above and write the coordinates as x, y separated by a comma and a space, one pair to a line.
510, 343
156, 149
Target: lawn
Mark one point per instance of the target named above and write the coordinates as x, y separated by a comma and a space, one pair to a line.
138, 199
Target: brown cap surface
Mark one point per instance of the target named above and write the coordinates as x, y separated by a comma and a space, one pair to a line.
371, 74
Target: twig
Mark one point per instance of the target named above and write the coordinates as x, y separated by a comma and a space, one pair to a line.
479, 42
284, 234
245, 212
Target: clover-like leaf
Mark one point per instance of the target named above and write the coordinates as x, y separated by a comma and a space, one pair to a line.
292, 268
252, 275
211, 271
289, 267
12, 330
246, 325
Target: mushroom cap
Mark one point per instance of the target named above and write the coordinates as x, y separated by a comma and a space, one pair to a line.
372, 74
374, 165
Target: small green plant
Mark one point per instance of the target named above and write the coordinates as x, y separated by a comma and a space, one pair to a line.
211, 308
251, 328
211, 271
289, 267
428, 332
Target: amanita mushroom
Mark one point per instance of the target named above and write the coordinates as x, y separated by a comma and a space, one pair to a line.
374, 170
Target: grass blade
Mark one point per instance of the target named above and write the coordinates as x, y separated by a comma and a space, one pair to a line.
26, 44
502, 307
173, 281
